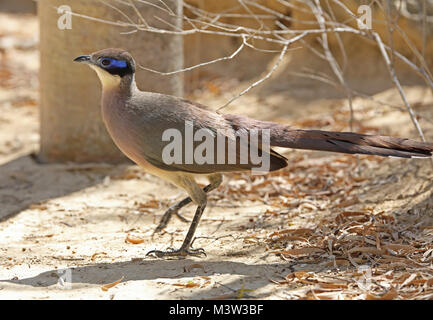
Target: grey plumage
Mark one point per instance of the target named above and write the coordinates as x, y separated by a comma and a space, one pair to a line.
136, 121
140, 136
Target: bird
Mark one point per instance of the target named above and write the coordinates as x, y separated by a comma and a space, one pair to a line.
138, 120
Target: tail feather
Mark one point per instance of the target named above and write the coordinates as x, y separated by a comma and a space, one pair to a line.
353, 143
344, 142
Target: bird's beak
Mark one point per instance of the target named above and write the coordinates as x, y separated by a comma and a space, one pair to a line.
85, 59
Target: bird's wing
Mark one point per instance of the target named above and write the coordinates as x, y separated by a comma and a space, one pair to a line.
167, 115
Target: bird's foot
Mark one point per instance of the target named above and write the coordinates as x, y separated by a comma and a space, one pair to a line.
166, 218
182, 252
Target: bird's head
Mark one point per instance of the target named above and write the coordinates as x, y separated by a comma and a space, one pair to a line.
112, 65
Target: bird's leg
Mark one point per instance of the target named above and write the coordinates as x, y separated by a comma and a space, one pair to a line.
215, 181
174, 209
185, 249
200, 198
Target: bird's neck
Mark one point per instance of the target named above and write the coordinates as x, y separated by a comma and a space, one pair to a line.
127, 84
124, 86
114, 100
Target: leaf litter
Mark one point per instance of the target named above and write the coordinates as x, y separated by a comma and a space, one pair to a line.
366, 253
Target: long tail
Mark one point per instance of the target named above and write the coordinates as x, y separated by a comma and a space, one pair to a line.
348, 142
344, 142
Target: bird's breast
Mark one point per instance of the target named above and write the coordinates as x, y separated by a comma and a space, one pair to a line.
123, 127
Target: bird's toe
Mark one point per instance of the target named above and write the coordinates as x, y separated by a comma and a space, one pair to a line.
180, 253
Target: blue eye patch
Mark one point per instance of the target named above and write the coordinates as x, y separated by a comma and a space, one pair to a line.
113, 63
118, 63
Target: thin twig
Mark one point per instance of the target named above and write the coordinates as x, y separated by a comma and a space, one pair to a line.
398, 85
234, 54
318, 12
267, 76
255, 84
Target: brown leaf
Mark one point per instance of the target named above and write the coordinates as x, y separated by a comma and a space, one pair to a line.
390, 295
153, 204
338, 262
353, 215
189, 284
348, 202
300, 251
110, 285
399, 247
95, 254
134, 240
325, 285
292, 231
38, 206
366, 250
289, 238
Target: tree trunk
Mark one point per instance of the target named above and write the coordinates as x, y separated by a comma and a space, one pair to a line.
71, 124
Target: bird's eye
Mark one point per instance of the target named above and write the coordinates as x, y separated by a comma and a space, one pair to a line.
105, 62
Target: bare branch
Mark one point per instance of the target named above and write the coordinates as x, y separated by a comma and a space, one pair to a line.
318, 12
234, 54
398, 85
267, 76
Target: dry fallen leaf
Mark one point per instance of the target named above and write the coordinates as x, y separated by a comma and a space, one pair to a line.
96, 254
152, 204
298, 232
110, 285
390, 295
333, 285
300, 251
38, 206
289, 238
348, 202
399, 247
366, 250
189, 284
134, 240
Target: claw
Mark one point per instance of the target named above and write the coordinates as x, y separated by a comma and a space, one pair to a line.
182, 252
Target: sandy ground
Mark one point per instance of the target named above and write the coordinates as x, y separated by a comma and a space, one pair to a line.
327, 226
